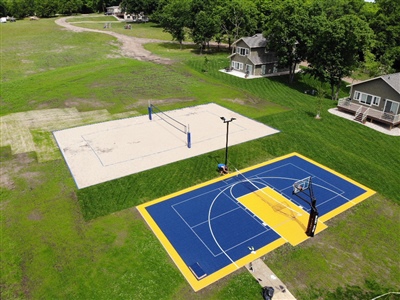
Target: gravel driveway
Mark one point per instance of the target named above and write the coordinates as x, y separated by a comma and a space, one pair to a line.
131, 46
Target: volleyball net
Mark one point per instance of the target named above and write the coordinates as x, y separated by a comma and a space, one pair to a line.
185, 129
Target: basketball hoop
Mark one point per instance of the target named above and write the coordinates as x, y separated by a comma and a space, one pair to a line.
301, 185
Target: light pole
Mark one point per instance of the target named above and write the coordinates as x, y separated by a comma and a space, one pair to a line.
227, 133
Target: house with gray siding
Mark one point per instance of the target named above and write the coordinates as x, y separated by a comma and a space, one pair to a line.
250, 57
374, 100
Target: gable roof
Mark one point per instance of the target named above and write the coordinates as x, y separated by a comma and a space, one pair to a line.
392, 80
255, 41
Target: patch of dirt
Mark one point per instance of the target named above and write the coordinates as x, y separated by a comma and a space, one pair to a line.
113, 56
91, 103
121, 238
5, 179
35, 215
236, 100
33, 178
3, 205
11, 168
145, 103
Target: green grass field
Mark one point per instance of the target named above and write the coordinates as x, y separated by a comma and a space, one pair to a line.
61, 243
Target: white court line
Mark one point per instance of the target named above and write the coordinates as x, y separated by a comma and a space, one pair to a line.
211, 231
214, 218
314, 176
259, 180
302, 169
217, 217
205, 245
338, 192
136, 144
262, 191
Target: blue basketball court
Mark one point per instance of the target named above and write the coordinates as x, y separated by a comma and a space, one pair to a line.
212, 229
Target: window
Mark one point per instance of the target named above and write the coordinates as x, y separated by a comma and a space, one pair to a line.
376, 100
237, 65
366, 98
242, 51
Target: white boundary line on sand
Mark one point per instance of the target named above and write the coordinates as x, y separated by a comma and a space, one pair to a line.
105, 151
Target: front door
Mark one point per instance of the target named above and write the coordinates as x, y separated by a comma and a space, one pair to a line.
249, 69
263, 69
391, 107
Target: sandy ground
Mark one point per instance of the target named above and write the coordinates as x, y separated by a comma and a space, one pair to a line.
130, 46
104, 151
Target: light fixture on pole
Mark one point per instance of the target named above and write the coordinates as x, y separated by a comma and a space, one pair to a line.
227, 133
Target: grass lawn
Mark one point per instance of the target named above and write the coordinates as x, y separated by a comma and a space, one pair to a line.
61, 243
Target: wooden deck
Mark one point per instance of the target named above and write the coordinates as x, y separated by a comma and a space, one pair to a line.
368, 114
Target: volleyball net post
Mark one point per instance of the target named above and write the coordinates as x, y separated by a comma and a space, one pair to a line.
149, 111
189, 137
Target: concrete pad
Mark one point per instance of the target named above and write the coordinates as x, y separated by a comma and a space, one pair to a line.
101, 152
264, 275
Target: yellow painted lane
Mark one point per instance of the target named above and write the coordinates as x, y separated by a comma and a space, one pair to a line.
280, 214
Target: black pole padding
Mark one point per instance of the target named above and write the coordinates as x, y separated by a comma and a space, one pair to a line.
312, 222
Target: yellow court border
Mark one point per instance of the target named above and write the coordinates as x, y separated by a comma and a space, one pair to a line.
211, 278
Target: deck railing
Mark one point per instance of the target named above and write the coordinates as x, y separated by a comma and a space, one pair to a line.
365, 115
358, 112
344, 102
370, 112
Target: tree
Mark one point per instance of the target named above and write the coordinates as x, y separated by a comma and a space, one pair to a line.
3, 8
335, 48
137, 6
386, 25
237, 18
318, 89
46, 8
334, 9
173, 18
18, 9
69, 7
286, 32
205, 27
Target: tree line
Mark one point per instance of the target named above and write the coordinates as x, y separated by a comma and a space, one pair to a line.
334, 36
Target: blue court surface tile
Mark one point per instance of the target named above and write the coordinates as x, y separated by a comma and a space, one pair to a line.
211, 229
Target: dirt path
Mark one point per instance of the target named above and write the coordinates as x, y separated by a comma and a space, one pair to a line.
131, 46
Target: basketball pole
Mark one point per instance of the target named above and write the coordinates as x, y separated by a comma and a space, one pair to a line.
313, 219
